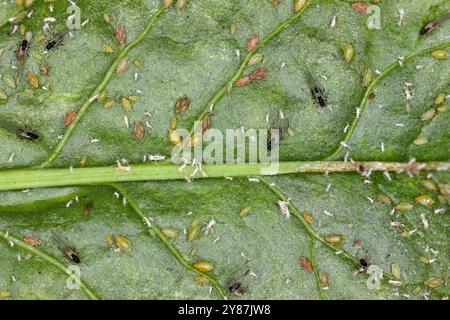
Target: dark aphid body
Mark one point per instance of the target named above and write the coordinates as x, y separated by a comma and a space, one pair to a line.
237, 286
281, 124
87, 209
22, 50
363, 262
56, 40
316, 91
432, 25
66, 248
26, 134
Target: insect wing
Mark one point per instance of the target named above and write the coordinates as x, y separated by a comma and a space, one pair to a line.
237, 286
65, 246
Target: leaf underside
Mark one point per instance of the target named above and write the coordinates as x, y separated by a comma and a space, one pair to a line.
192, 52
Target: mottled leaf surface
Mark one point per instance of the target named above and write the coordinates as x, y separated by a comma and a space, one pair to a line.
193, 52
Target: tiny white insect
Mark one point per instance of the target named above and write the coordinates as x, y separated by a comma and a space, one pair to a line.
346, 128
407, 91
123, 165
284, 207
85, 22
30, 14
345, 145
228, 178
253, 179
439, 210
424, 220
216, 239
401, 17
209, 226
387, 176
155, 157
333, 22
127, 124
395, 283
382, 146
117, 194
93, 98
397, 224
147, 221
95, 140
11, 158
328, 187
370, 199
328, 213
50, 19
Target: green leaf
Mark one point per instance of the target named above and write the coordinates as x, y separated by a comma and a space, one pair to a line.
88, 198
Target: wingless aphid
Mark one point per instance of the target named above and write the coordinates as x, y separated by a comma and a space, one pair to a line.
317, 91
432, 25
282, 124
237, 286
66, 248
56, 40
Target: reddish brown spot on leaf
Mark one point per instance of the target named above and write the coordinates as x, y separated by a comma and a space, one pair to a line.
206, 123
252, 42
245, 80
305, 264
139, 131
121, 34
259, 74
70, 117
31, 240
308, 217
87, 209
182, 104
359, 6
